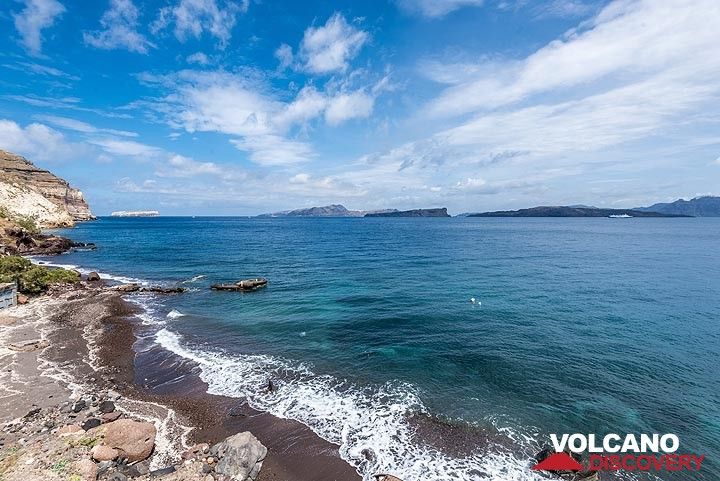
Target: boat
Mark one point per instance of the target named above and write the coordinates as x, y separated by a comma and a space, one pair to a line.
243, 285
620, 216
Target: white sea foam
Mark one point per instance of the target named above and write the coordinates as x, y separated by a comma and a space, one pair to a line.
86, 271
174, 314
193, 279
360, 421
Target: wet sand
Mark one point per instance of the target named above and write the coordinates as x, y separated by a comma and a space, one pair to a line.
295, 453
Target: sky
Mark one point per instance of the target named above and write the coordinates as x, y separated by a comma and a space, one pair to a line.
220, 107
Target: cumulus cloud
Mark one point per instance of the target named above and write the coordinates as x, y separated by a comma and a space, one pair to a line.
274, 149
436, 8
198, 58
330, 47
347, 106
119, 29
284, 54
33, 19
37, 141
192, 18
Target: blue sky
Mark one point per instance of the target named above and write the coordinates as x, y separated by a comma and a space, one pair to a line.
243, 107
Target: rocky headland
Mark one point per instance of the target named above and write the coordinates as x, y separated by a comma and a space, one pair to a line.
27, 191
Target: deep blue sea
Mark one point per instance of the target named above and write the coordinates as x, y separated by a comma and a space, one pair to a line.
368, 328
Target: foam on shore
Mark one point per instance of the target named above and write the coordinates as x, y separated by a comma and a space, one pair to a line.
369, 425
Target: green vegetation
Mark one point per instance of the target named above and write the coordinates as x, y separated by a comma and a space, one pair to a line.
30, 278
60, 466
88, 442
27, 223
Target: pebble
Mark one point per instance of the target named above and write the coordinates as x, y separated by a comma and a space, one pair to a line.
79, 405
106, 407
91, 423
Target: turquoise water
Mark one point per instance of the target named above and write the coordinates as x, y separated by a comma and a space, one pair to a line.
578, 325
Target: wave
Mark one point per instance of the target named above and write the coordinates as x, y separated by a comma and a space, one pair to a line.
369, 424
193, 279
174, 314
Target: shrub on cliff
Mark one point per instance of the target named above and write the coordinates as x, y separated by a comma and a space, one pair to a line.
30, 278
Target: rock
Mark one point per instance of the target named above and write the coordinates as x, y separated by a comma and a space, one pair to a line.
162, 472
32, 413
29, 346
93, 277
164, 290
87, 470
91, 423
240, 456
206, 468
195, 451
104, 466
110, 417
101, 452
117, 477
134, 440
69, 429
139, 469
78, 406
113, 395
106, 407
22, 299
127, 287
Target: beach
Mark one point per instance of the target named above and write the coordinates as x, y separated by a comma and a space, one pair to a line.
77, 343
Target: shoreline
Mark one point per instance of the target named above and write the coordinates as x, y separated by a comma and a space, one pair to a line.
92, 335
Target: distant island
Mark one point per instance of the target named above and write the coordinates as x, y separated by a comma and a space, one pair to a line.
333, 210
439, 212
135, 213
567, 211
705, 206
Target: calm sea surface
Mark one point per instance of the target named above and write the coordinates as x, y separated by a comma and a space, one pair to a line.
578, 325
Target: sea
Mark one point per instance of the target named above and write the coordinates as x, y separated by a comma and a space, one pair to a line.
441, 348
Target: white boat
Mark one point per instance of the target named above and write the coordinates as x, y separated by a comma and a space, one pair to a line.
620, 216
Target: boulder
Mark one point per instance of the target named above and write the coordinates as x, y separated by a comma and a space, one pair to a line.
91, 423
101, 452
86, 469
110, 417
127, 287
241, 456
22, 299
106, 407
93, 277
134, 440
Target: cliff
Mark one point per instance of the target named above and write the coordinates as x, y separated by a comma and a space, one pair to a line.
28, 191
706, 206
334, 210
440, 212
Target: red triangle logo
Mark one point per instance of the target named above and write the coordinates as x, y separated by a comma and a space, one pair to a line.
558, 462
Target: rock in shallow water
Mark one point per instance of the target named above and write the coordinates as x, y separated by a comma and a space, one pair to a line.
241, 456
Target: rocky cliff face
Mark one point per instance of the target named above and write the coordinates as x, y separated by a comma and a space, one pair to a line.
26, 190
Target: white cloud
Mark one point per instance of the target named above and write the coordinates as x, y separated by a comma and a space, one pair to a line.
33, 19
198, 58
194, 17
127, 148
274, 149
284, 54
179, 166
628, 40
436, 8
119, 29
41, 70
79, 126
347, 106
330, 48
37, 141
